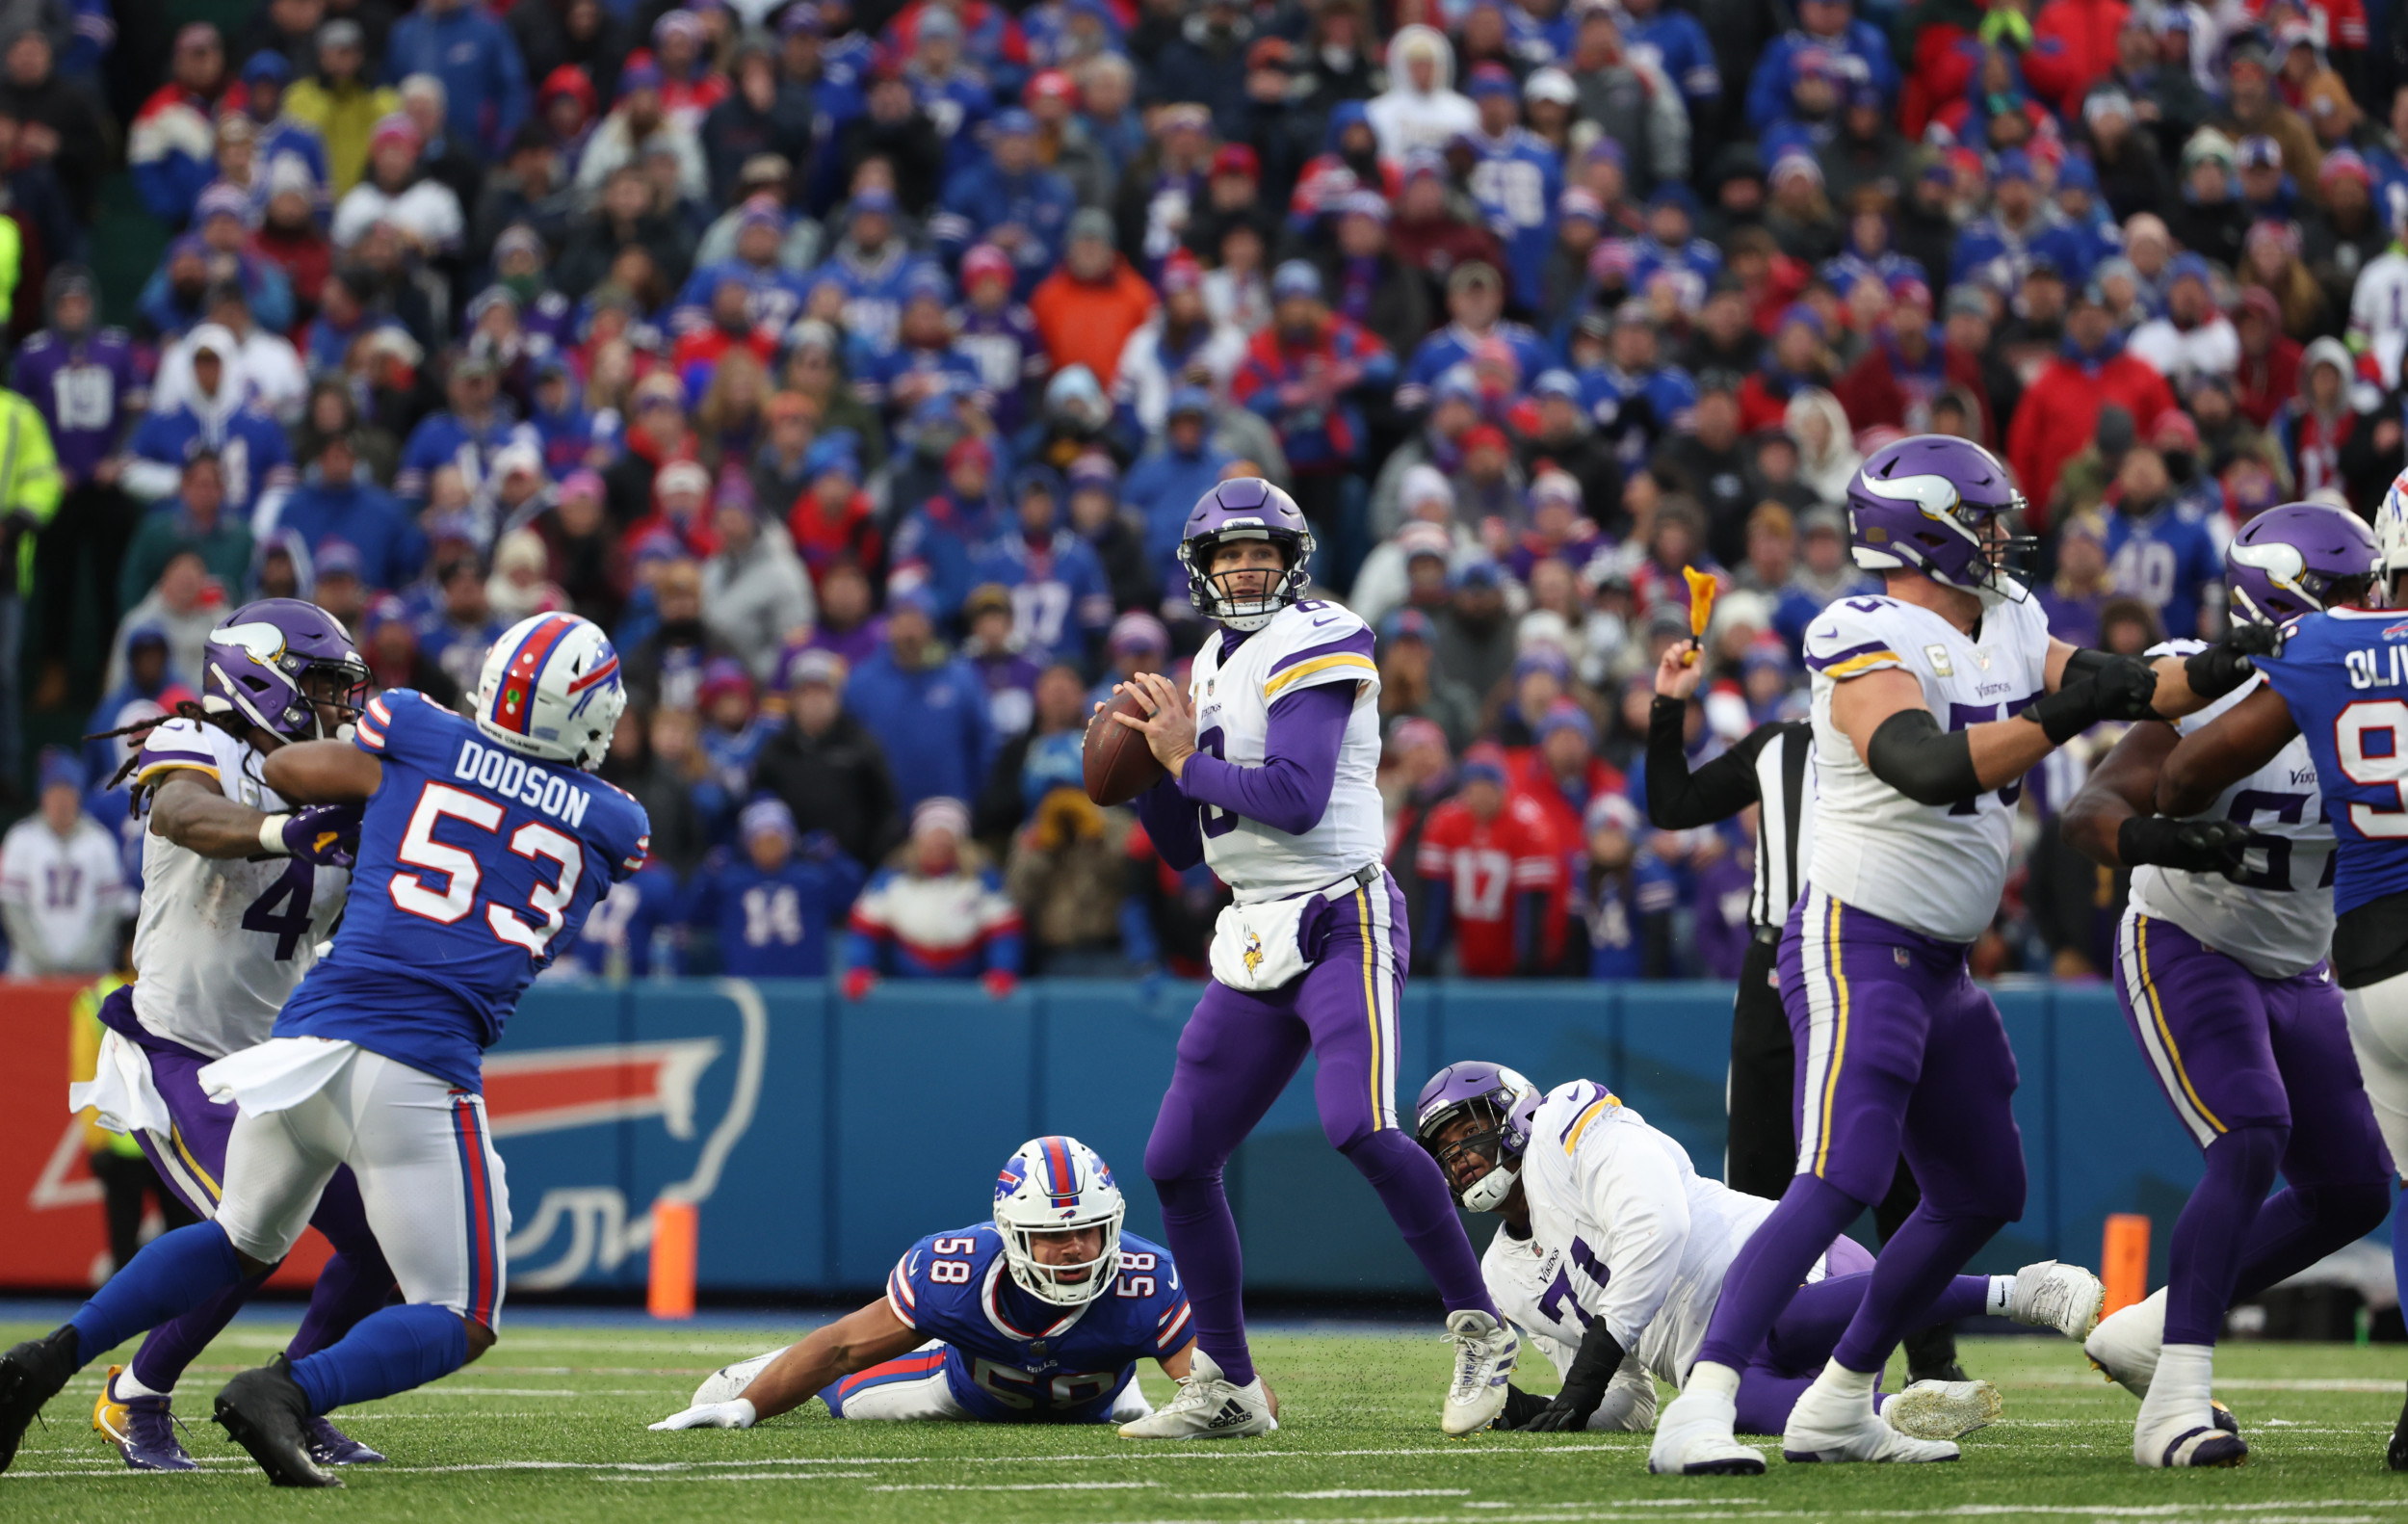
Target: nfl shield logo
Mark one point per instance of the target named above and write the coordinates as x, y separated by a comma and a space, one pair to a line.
1898, 952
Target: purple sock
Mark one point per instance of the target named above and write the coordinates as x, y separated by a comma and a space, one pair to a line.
1415, 1194
1766, 1272
158, 1364
350, 1287
1916, 1269
1203, 1240
2203, 1258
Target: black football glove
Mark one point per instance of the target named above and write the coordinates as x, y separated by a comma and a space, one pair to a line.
2120, 687
2226, 665
1520, 1408
1584, 1385
2194, 846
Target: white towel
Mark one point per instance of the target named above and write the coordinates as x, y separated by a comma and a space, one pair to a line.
278, 1075
122, 1089
1257, 947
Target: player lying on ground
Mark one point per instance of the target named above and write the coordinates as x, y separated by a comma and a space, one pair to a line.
238, 891
1930, 703
1037, 1317
1614, 1249
1270, 757
2342, 683
2220, 966
474, 864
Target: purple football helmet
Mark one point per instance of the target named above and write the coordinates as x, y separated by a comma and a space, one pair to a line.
1502, 1102
1245, 508
274, 660
2299, 559
1929, 504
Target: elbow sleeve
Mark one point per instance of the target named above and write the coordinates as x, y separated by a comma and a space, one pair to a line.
1929, 765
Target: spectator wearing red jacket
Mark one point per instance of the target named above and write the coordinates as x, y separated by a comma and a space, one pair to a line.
2268, 373
2073, 47
2060, 409
1905, 369
1562, 772
1493, 878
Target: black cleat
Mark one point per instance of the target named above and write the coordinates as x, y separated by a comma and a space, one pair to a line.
267, 1413
2396, 1458
31, 1373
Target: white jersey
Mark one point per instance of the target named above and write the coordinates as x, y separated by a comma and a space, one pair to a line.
221, 942
1305, 646
1937, 869
1635, 1236
2279, 920
2379, 311
70, 891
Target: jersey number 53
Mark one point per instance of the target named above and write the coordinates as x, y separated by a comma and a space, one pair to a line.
462, 872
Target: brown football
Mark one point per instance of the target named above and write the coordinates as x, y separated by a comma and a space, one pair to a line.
1117, 763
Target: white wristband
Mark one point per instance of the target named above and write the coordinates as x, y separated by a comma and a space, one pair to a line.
271, 835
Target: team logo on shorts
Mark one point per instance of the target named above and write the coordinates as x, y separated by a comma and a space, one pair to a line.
1253, 952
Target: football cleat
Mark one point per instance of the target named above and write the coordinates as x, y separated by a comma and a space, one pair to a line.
1693, 1438
330, 1446
729, 1382
267, 1413
2396, 1457
1484, 1353
142, 1429
2125, 1344
2066, 1298
31, 1373
1209, 1405
1831, 1426
1943, 1410
2192, 1447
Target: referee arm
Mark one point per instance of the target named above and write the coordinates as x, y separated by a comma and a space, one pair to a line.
1678, 799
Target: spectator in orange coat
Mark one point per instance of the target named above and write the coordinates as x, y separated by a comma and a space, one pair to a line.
2060, 409
2073, 47
1086, 309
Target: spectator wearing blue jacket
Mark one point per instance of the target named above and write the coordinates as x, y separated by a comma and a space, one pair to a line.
925, 705
1061, 599
1681, 47
944, 537
1829, 27
1008, 201
1164, 484
771, 906
219, 416
1996, 251
627, 920
476, 428
484, 79
338, 500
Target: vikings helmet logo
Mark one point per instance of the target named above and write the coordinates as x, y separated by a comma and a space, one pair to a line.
1253, 952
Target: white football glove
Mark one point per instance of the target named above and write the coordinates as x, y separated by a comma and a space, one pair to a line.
735, 1414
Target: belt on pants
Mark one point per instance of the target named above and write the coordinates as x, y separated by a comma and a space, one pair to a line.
1766, 936
1362, 877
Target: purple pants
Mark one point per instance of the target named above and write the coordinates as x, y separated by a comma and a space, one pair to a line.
190, 1160
1238, 1053
1898, 1051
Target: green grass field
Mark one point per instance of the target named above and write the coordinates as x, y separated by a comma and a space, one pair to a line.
550, 1426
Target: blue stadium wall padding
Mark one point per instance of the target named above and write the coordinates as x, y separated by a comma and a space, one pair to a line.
822, 1136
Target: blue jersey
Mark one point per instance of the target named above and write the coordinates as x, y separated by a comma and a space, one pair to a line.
875, 292
2343, 674
1516, 182
2172, 560
774, 925
1011, 1359
772, 297
1691, 268
627, 919
1453, 345
1636, 412
1059, 594
476, 867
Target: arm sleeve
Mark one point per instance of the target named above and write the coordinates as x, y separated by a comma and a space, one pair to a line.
1291, 790
1171, 824
1678, 799
1630, 1182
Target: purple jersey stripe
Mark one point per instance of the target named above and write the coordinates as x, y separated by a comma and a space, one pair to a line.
159, 757
1818, 663
1358, 643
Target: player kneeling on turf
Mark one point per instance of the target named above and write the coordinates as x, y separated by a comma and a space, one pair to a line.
1614, 1249
1037, 1317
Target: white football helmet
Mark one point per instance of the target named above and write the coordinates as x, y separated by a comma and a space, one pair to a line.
551, 689
2391, 530
1051, 1185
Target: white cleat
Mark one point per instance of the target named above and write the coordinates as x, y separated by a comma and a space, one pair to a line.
1484, 1353
1832, 1425
2066, 1298
1209, 1405
1943, 1410
2212, 1446
729, 1382
1694, 1439
2125, 1346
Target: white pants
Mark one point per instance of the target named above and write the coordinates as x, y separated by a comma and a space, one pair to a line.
2378, 1034
427, 1175
896, 1390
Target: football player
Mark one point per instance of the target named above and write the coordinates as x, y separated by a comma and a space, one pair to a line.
2221, 969
1039, 1317
483, 847
1930, 701
1269, 759
1612, 1252
239, 890
2342, 684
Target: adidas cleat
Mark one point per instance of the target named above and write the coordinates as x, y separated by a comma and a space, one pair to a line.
1208, 1407
330, 1446
1484, 1353
266, 1412
1694, 1439
31, 1373
142, 1429
1830, 1426
1943, 1410
2066, 1298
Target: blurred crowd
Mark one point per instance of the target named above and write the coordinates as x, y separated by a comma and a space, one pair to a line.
856, 365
